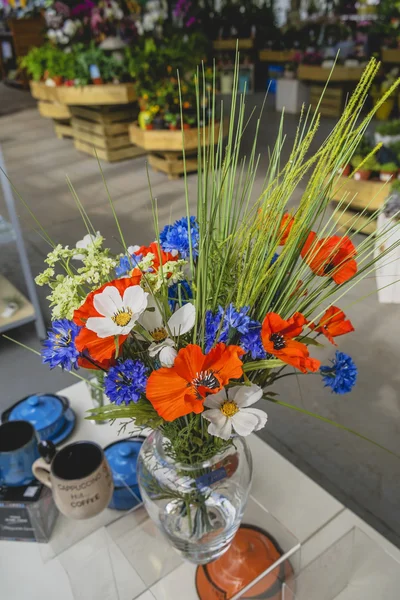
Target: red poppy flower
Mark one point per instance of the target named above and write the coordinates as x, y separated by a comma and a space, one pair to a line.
333, 323
330, 257
285, 228
101, 350
181, 389
277, 338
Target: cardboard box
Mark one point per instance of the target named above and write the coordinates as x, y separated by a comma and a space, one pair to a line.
27, 513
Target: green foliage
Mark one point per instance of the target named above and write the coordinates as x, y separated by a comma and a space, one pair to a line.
369, 164
189, 441
395, 187
74, 64
364, 147
389, 128
48, 58
154, 67
389, 167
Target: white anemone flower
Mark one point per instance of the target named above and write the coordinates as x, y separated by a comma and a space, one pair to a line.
88, 240
229, 410
119, 313
181, 322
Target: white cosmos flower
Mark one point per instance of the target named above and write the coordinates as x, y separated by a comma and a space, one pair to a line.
87, 241
229, 410
119, 313
180, 322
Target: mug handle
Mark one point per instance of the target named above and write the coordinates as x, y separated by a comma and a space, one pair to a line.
41, 470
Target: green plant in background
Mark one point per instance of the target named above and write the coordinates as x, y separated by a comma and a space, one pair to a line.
367, 164
395, 186
389, 167
34, 63
364, 147
389, 128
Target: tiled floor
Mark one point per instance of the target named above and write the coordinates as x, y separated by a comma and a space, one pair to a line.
362, 476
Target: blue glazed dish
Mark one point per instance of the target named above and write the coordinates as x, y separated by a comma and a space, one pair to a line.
122, 457
51, 416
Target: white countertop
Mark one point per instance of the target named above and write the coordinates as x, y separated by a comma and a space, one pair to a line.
305, 509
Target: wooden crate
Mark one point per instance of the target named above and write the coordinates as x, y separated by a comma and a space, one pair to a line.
353, 220
111, 94
108, 155
276, 56
172, 163
331, 103
339, 73
63, 130
54, 110
243, 44
87, 95
390, 55
166, 140
362, 195
40, 91
104, 130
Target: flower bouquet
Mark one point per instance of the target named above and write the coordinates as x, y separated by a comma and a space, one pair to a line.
193, 329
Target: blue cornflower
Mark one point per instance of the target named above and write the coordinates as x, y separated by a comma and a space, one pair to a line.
251, 341
124, 266
342, 375
126, 382
177, 292
211, 327
226, 322
59, 348
176, 237
274, 259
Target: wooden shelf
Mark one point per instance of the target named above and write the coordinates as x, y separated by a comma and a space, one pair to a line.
54, 110
243, 44
166, 140
98, 95
25, 314
340, 73
276, 56
172, 164
369, 195
390, 55
350, 219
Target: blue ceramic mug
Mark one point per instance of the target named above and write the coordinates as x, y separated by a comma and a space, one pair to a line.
18, 451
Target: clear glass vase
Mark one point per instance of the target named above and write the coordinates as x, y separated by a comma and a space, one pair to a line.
199, 508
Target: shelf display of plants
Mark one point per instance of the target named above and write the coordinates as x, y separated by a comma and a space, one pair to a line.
377, 91
365, 165
82, 65
154, 69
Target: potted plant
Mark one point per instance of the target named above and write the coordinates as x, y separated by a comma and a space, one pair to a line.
388, 171
345, 170
363, 173
148, 121
191, 120
172, 120
388, 133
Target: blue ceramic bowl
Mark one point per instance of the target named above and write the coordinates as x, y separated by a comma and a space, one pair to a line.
122, 457
51, 416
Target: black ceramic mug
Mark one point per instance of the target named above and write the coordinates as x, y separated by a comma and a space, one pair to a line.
79, 476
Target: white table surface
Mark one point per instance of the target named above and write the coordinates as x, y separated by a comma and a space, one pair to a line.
309, 512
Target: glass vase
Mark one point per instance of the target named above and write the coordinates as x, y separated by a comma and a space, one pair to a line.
199, 508
95, 386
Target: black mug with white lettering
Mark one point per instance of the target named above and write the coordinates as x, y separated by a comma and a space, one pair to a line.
79, 476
